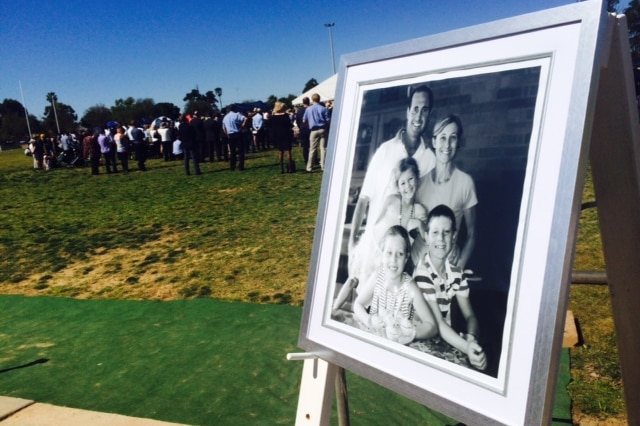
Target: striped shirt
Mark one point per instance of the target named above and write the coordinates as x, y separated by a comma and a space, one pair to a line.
397, 303
441, 290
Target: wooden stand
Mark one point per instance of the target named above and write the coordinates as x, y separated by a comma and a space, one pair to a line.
314, 402
615, 163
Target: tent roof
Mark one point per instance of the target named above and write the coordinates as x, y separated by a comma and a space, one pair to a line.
326, 90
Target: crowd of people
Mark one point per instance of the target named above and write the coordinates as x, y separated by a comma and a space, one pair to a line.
193, 138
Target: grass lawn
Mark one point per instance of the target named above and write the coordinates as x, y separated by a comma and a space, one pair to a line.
201, 361
198, 243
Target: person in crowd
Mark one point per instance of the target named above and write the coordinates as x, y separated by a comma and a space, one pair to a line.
316, 118
265, 126
137, 138
190, 145
378, 181
304, 129
224, 139
38, 152
155, 140
65, 144
257, 131
220, 146
51, 147
199, 136
232, 125
448, 185
247, 137
165, 140
389, 300
122, 148
440, 282
49, 160
212, 137
177, 152
95, 151
281, 133
108, 152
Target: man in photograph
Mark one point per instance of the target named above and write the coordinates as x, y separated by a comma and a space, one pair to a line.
408, 142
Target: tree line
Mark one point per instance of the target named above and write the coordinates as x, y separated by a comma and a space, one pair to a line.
59, 117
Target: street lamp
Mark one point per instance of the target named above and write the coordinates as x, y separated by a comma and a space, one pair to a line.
333, 60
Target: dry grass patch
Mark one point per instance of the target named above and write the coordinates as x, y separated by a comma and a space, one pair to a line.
164, 270
109, 273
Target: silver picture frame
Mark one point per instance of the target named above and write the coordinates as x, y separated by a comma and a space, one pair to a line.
524, 88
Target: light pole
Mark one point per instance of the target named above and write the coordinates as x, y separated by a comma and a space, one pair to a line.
333, 59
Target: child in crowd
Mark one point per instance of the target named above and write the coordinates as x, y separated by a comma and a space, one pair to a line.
440, 282
393, 297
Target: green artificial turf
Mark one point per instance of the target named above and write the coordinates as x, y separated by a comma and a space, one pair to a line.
202, 361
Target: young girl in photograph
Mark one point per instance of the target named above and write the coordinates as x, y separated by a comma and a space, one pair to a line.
399, 208
389, 303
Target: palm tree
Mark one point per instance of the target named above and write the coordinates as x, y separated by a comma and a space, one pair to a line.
52, 98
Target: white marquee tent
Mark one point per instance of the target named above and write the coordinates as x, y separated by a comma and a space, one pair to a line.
326, 90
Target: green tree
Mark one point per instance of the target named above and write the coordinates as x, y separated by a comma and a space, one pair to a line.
288, 100
122, 110
632, 13
204, 104
96, 116
271, 100
166, 109
13, 123
194, 95
129, 109
203, 107
310, 85
62, 118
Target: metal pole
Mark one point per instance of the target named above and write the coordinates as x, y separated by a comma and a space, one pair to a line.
55, 114
333, 59
26, 113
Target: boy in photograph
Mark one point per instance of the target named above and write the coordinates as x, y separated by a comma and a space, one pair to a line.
441, 282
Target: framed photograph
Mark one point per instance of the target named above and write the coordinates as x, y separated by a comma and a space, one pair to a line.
448, 213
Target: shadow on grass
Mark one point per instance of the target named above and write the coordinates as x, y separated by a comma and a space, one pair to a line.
30, 364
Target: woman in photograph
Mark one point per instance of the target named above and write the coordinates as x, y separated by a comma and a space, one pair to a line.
448, 185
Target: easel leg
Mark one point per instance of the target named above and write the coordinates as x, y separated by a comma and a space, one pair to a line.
615, 162
316, 392
342, 398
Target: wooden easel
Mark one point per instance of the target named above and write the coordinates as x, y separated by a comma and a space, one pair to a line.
615, 167
316, 392
615, 162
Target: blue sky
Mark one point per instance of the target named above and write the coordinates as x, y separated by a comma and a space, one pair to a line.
91, 53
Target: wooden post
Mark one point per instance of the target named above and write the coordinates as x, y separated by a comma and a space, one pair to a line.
316, 390
342, 398
615, 162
